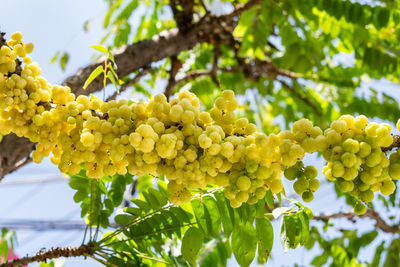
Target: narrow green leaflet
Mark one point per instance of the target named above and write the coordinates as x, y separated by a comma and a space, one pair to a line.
201, 215
288, 232
393, 254
227, 217
113, 7
269, 199
213, 218
265, 237
191, 244
305, 227
64, 60
378, 255
100, 48
244, 244
93, 76
123, 219
54, 58
111, 77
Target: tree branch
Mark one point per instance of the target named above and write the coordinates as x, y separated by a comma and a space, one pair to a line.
14, 153
379, 222
51, 254
168, 43
184, 15
302, 98
396, 143
176, 64
126, 85
214, 68
130, 59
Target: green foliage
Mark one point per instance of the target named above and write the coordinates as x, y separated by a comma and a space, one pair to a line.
209, 229
98, 198
7, 241
244, 243
288, 59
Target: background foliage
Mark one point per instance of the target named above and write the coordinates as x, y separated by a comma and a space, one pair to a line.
286, 60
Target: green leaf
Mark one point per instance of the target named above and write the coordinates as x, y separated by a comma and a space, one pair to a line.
93, 76
86, 25
383, 17
113, 7
393, 254
244, 244
201, 215
152, 200
288, 232
213, 216
123, 219
191, 244
269, 198
64, 60
226, 217
265, 237
111, 77
127, 11
305, 227
80, 195
162, 199
141, 204
54, 58
100, 48
134, 211
378, 254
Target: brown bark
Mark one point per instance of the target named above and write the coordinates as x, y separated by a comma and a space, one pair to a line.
51, 254
380, 223
14, 150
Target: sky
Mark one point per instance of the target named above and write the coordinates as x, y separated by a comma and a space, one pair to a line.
58, 26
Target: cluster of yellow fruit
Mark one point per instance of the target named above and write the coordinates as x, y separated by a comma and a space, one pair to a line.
192, 148
306, 183
355, 159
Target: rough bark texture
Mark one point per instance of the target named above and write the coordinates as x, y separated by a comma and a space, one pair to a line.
15, 151
51, 254
166, 44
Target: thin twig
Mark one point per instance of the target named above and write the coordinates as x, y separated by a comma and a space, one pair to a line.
176, 65
239, 9
379, 222
396, 143
214, 68
204, 6
302, 98
149, 234
134, 80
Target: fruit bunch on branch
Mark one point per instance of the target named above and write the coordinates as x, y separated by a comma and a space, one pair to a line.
191, 147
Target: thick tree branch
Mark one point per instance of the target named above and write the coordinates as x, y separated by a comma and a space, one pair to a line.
14, 153
51, 254
166, 44
130, 59
379, 222
176, 64
183, 13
